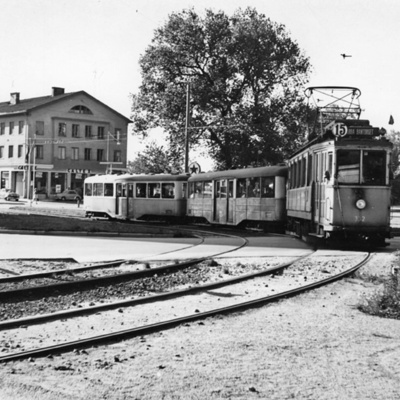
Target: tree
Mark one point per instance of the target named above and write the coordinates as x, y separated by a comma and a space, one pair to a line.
246, 78
155, 160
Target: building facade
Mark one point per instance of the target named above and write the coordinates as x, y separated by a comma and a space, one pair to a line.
52, 143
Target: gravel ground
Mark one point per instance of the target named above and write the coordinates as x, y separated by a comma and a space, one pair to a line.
314, 346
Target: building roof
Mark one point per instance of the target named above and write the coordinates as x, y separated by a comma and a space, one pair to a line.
24, 106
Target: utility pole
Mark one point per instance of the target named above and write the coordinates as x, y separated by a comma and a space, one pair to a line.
187, 128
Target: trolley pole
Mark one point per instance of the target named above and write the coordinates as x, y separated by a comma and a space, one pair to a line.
187, 128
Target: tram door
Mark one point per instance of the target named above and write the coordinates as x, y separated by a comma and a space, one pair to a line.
118, 194
223, 204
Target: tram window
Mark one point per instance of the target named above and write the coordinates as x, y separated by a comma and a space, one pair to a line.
303, 172
130, 190
118, 190
309, 170
168, 190
374, 168
329, 167
348, 166
253, 187
222, 189
88, 189
198, 190
97, 189
108, 189
141, 190
123, 194
154, 191
191, 190
230, 189
267, 187
241, 188
207, 189
184, 189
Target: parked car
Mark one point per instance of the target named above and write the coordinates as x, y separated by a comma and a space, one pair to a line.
9, 195
68, 195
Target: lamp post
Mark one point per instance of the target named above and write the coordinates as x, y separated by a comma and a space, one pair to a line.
117, 139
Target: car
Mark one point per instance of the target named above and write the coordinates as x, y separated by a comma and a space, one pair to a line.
68, 195
9, 195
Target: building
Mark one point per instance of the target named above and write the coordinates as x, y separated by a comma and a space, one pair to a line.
54, 142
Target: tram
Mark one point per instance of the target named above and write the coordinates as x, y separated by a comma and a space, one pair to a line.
339, 182
252, 197
135, 196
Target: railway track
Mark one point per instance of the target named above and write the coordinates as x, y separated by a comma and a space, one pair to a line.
186, 305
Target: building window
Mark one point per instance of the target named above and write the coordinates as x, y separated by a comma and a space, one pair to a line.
11, 128
75, 130
100, 155
10, 151
62, 129
75, 153
20, 127
39, 127
2, 128
61, 153
80, 110
1, 151
39, 151
117, 156
88, 154
100, 132
88, 131
20, 150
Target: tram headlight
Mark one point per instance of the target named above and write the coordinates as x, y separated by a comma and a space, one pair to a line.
360, 204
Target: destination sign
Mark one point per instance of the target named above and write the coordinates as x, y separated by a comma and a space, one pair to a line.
361, 131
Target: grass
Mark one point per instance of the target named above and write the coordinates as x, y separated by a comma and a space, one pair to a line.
384, 303
48, 223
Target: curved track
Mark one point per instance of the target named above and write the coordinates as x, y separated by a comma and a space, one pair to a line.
145, 329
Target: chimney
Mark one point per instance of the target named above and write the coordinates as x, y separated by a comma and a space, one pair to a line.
14, 98
57, 91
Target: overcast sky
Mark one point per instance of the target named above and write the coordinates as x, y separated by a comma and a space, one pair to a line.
95, 45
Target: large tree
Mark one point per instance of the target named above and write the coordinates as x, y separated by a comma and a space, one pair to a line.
246, 80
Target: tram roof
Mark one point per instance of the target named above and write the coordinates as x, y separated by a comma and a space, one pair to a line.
136, 178
276, 170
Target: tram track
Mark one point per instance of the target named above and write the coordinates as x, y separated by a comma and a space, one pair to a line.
168, 323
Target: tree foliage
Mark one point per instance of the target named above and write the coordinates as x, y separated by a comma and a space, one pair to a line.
154, 159
246, 82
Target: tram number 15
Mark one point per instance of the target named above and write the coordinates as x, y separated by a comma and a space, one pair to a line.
340, 130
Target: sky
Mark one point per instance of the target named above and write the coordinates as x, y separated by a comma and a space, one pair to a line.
95, 46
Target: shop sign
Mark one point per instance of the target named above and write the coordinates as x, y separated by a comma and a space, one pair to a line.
26, 167
39, 174
58, 188
78, 176
78, 171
